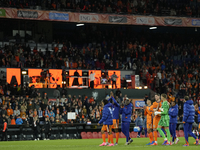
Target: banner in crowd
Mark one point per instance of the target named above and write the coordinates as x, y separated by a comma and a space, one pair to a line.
139, 104
98, 18
71, 115
52, 99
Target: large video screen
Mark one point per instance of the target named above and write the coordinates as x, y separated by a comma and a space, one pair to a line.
13, 75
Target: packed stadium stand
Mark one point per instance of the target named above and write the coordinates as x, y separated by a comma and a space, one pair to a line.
142, 7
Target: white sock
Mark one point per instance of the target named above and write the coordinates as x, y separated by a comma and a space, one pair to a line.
156, 142
165, 139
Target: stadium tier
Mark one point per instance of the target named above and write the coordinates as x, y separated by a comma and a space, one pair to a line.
141, 7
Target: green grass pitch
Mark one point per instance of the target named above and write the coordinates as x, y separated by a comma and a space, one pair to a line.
92, 144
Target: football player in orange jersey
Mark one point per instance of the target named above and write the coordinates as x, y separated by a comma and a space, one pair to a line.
155, 107
148, 113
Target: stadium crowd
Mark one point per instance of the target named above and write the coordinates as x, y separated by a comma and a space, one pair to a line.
142, 7
113, 48
166, 63
20, 105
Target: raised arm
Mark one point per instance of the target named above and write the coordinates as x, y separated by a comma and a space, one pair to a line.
115, 102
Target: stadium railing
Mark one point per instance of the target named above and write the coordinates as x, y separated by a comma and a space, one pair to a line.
58, 131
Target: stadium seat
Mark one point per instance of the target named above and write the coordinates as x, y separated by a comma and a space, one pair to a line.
99, 133
134, 134
177, 133
106, 133
158, 134
181, 133
71, 136
142, 136
89, 135
114, 135
122, 135
95, 135
83, 135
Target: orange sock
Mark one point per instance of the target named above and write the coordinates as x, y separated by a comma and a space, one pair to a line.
151, 137
155, 135
117, 137
104, 138
108, 138
111, 138
187, 143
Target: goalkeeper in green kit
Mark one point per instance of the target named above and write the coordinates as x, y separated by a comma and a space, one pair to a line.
164, 120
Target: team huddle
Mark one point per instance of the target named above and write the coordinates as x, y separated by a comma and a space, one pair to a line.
110, 120
161, 117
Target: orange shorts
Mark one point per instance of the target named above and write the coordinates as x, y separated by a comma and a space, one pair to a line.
106, 128
156, 121
199, 126
115, 123
149, 126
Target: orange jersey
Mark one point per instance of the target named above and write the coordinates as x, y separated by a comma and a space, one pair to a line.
156, 118
148, 113
155, 105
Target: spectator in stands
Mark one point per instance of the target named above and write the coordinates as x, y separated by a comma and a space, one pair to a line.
3, 111
8, 120
45, 100
52, 121
16, 111
124, 83
43, 106
23, 107
51, 114
9, 111
19, 120
62, 120
91, 99
13, 121
22, 113
63, 99
118, 92
57, 119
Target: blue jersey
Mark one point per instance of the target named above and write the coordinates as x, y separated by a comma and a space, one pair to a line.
173, 114
107, 115
115, 108
188, 112
126, 112
197, 113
